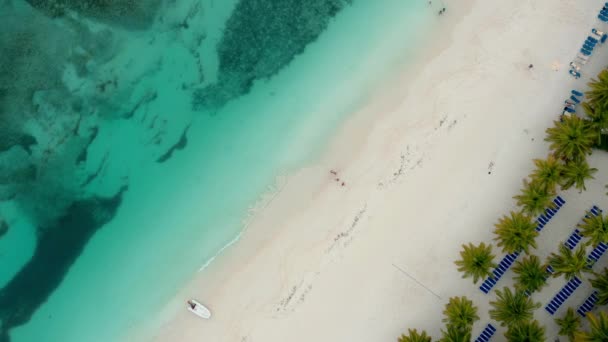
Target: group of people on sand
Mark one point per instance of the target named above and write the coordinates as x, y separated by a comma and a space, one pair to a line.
441, 11
337, 179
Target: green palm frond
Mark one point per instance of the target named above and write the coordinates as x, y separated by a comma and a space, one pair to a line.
460, 313
598, 330
516, 232
529, 331
548, 172
530, 275
575, 173
571, 139
511, 309
535, 197
454, 334
476, 261
414, 336
569, 263
594, 228
598, 119
598, 90
569, 323
600, 284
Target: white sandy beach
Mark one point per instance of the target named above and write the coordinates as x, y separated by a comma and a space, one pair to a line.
430, 163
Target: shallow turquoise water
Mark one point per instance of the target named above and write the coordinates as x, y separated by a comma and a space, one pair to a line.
191, 166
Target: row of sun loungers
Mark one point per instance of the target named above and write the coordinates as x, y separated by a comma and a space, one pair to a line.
498, 272
486, 334
597, 253
543, 219
509, 259
573, 239
603, 16
589, 45
588, 304
562, 295
596, 37
573, 99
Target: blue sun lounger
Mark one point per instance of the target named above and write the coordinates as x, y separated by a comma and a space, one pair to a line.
576, 93
595, 211
586, 52
604, 37
543, 219
486, 334
573, 98
563, 295
592, 39
568, 109
588, 304
574, 73
588, 46
602, 17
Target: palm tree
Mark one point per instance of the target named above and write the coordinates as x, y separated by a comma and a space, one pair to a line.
528, 331
571, 139
598, 118
568, 324
414, 336
530, 274
569, 263
595, 229
600, 283
453, 334
460, 313
512, 308
598, 95
548, 172
476, 262
576, 172
516, 233
598, 329
535, 197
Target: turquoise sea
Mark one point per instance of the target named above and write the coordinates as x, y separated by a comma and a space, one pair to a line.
135, 136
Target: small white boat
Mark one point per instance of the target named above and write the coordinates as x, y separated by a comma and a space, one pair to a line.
198, 309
